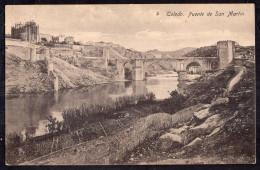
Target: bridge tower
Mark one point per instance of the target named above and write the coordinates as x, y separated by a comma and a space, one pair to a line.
106, 57
225, 53
138, 70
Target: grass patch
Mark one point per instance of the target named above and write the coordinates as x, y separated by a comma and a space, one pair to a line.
75, 118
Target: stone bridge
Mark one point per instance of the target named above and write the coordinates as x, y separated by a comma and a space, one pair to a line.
189, 64
182, 65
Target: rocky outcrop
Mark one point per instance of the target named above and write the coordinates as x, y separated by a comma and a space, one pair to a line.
219, 100
202, 114
168, 141
205, 128
194, 142
204, 124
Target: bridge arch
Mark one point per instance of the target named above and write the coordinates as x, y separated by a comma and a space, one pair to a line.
194, 67
150, 67
128, 70
131, 69
156, 64
214, 65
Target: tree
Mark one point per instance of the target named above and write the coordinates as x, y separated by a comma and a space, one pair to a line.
76, 43
44, 40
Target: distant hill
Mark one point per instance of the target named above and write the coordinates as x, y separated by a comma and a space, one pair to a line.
117, 51
180, 52
169, 54
120, 52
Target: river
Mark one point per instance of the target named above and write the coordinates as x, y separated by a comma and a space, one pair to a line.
28, 114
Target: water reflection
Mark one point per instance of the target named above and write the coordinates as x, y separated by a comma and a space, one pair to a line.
27, 115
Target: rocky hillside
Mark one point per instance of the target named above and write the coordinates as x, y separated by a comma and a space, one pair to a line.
221, 126
245, 52
208, 51
24, 76
211, 51
71, 76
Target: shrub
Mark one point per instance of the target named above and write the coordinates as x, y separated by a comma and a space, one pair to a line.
174, 103
54, 125
89, 134
13, 142
49, 45
14, 90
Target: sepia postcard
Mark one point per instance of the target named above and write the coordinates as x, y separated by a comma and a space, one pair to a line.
146, 84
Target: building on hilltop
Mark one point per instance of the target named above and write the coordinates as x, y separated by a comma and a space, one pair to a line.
55, 39
26, 32
69, 40
46, 37
61, 38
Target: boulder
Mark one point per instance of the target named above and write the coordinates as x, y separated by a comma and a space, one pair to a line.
205, 128
214, 131
182, 132
169, 141
194, 142
179, 131
219, 100
172, 137
202, 114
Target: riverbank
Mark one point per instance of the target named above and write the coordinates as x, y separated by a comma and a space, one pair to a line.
209, 121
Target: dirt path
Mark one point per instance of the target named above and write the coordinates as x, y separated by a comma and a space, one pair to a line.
236, 79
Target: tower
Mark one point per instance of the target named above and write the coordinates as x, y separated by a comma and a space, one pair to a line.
225, 53
138, 70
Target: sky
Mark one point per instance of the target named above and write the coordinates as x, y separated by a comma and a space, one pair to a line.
141, 27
